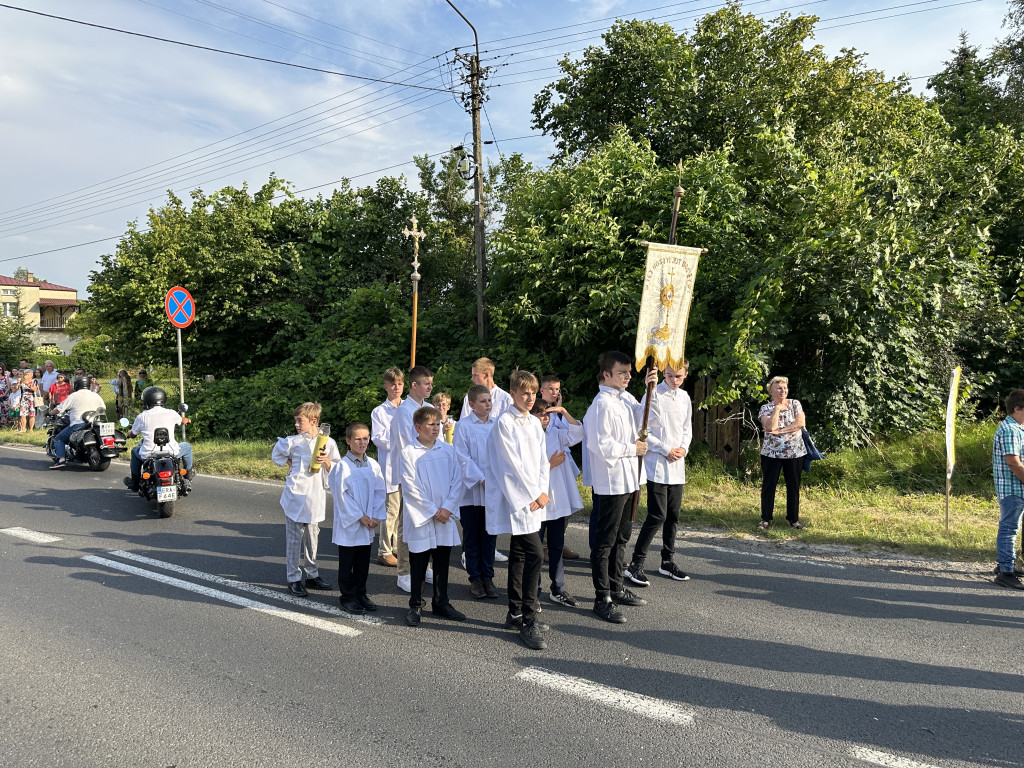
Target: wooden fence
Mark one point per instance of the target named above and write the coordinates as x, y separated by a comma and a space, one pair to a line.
718, 426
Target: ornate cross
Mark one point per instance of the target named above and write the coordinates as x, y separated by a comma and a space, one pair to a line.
416, 234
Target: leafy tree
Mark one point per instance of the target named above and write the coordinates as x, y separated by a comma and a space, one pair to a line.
21, 273
847, 228
15, 338
968, 92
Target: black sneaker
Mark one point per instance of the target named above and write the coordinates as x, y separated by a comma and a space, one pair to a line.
516, 622
490, 589
670, 569
1009, 580
412, 618
625, 597
58, 464
562, 598
531, 636
635, 573
448, 611
133, 485
476, 590
608, 611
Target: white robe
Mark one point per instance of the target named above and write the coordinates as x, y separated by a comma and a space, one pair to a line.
430, 481
403, 433
380, 435
470, 443
356, 491
304, 499
610, 432
517, 474
671, 427
565, 494
501, 401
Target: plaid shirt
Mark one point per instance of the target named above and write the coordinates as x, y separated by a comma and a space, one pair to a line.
1008, 440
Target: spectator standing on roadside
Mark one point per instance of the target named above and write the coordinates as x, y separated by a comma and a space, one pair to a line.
1008, 472
140, 385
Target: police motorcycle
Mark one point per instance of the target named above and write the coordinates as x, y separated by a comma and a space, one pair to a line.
96, 443
164, 478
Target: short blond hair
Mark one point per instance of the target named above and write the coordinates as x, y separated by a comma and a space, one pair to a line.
311, 411
521, 381
484, 365
441, 397
391, 375
775, 380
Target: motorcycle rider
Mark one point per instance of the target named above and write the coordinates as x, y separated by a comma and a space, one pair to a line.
82, 399
146, 423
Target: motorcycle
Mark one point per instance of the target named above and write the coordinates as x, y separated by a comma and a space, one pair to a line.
95, 444
164, 479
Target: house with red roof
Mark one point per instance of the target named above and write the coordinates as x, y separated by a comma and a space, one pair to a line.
46, 307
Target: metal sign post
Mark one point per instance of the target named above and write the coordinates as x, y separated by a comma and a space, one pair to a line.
181, 311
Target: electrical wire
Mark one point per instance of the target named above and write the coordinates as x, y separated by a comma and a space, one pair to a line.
295, 192
216, 50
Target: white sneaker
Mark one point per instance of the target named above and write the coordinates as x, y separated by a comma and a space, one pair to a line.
405, 583
463, 561
500, 557
430, 577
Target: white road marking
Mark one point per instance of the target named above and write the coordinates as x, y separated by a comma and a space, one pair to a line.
884, 758
25, 533
634, 703
778, 557
299, 618
23, 450
330, 610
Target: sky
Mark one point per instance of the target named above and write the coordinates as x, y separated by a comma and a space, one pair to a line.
97, 125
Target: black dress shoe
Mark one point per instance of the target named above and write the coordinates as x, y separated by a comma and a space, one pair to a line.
516, 622
608, 611
352, 606
366, 602
476, 589
412, 618
448, 611
317, 583
625, 597
296, 588
490, 589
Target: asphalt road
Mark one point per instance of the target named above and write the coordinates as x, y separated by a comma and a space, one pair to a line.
175, 644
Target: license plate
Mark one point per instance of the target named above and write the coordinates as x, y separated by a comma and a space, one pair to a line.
106, 428
166, 493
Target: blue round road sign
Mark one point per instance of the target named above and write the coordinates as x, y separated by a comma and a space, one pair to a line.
179, 306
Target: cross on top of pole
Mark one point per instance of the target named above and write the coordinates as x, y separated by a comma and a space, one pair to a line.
416, 234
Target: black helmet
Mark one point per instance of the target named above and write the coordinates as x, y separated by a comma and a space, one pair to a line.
81, 382
153, 396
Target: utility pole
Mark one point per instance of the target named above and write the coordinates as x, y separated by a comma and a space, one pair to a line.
476, 75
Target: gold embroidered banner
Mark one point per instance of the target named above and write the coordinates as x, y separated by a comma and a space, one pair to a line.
665, 306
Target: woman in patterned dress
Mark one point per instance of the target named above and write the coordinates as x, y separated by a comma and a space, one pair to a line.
5, 390
782, 451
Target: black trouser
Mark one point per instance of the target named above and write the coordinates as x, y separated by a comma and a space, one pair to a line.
610, 529
418, 562
525, 562
353, 568
791, 470
663, 502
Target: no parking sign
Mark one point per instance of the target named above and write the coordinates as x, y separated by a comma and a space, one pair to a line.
180, 308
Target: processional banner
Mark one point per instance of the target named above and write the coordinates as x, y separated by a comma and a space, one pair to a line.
665, 306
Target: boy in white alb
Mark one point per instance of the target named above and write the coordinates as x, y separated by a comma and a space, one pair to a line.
671, 430
483, 374
403, 433
551, 392
565, 495
470, 442
517, 482
358, 489
611, 447
380, 418
304, 499
431, 486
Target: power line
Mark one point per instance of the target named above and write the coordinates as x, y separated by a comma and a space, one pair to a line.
296, 192
219, 50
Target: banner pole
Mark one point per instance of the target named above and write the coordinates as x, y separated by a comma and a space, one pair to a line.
181, 387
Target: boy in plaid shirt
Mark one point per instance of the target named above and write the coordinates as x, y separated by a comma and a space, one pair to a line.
1008, 471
